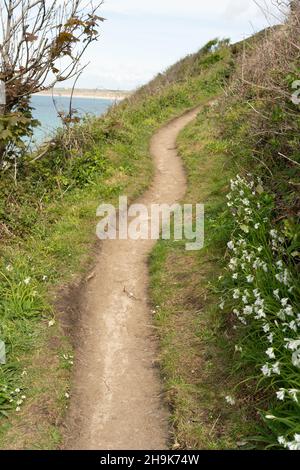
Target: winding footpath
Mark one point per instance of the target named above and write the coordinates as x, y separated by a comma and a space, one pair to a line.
116, 400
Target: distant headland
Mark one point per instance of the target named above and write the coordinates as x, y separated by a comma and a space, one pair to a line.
87, 93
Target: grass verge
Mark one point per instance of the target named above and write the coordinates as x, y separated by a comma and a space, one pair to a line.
196, 358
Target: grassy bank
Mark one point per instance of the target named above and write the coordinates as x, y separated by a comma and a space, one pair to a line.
47, 231
195, 355
228, 315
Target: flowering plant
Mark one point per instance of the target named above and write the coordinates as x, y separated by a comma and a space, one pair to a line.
261, 289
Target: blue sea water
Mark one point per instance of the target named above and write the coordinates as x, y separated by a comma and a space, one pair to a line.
45, 112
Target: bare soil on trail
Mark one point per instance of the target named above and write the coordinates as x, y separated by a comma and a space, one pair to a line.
117, 396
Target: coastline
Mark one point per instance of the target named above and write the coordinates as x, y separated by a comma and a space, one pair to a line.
92, 94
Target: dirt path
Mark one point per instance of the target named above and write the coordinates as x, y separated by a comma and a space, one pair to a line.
116, 401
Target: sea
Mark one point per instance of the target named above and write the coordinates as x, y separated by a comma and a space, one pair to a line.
45, 111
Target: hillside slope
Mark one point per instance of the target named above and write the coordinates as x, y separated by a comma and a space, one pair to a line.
47, 235
228, 315
229, 372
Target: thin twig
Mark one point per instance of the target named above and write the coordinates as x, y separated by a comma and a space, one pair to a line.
289, 159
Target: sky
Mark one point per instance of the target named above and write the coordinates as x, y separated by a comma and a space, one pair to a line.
141, 37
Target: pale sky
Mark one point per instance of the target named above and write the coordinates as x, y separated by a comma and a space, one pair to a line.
143, 37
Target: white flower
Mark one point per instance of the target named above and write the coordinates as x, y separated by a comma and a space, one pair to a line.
9, 268
282, 441
276, 293
276, 368
256, 263
294, 445
233, 264
271, 338
283, 277
265, 267
292, 344
230, 245
235, 276
238, 349
256, 293
256, 226
27, 280
267, 372
222, 305
236, 294
273, 233
281, 394
259, 302
67, 395
281, 315
271, 417
248, 310
266, 328
296, 358
44, 278
270, 353
293, 394
293, 326
18, 409
246, 202
289, 311
260, 314
51, 323
230, 400
245, 228
250, 279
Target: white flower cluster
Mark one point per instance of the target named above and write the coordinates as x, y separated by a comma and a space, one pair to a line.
14, 397
293, 393
263, 285
69, 358
292, 445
